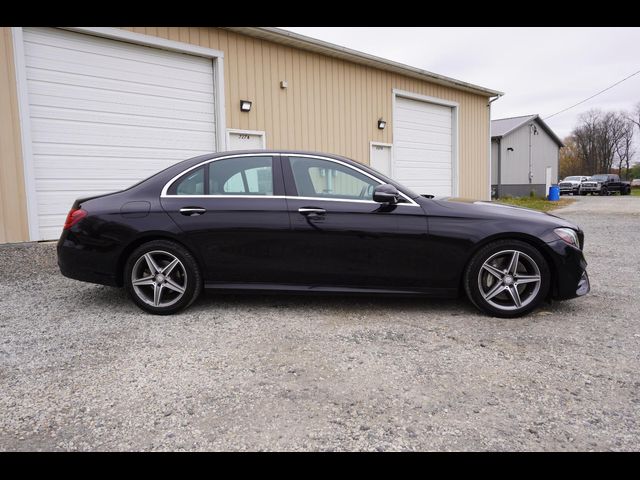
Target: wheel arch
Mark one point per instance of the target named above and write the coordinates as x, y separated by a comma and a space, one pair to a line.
145, 238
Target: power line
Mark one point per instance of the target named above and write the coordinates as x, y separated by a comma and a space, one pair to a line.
592, 96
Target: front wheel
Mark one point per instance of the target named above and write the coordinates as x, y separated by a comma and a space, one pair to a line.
507, 278
162, 277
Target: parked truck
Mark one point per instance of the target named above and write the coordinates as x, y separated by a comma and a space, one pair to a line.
605, 184
572, 184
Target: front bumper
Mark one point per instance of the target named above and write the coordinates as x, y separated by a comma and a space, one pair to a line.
570, 268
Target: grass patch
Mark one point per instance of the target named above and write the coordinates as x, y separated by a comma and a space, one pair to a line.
635, 192
536, 203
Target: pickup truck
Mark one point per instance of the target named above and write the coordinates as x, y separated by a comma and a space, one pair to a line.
605, 184
572, 184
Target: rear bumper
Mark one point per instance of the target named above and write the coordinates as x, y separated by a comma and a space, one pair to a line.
79, 263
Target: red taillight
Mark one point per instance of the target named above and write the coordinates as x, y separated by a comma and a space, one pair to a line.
73, 217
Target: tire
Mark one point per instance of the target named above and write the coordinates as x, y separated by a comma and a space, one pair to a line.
625, 191
584, 194
604, 191
157, 291
480, 284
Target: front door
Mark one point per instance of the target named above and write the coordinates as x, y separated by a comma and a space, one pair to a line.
234, 212
341, 237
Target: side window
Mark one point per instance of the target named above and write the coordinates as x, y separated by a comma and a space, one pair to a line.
325, 179
191, 184
241, 176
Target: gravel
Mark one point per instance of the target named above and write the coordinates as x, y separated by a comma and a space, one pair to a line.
81, 368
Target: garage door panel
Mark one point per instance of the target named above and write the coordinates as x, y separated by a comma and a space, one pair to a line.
175, 109
423, 139
106, 114
94, 133
87, 117
99, 151
115, 86
84, 63
74, 97
51, 167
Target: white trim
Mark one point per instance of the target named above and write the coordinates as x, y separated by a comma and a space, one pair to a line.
149, 40
260, 133
25, 133
381, 144
163, 193
455, 177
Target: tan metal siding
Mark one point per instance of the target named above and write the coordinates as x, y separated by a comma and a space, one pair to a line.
13, 202
331, 105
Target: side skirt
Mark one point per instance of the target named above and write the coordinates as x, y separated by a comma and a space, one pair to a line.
316, 289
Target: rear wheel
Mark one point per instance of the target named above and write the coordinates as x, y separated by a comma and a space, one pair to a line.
162, 277
507, 278
604, 191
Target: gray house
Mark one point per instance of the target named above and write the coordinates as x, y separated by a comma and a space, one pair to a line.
524, 156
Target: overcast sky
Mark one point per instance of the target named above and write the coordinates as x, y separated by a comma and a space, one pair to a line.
541, 70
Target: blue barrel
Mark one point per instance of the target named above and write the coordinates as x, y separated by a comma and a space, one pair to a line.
554, 193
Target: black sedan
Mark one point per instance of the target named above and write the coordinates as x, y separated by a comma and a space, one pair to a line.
306, 222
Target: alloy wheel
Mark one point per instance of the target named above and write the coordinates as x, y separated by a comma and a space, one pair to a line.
509, 280
159, 278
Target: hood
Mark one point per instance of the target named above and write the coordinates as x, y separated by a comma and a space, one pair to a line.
494, 210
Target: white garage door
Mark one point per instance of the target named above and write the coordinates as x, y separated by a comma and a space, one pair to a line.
423, 134
106, 114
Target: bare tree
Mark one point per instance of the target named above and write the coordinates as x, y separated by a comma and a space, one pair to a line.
596, 138
624, 146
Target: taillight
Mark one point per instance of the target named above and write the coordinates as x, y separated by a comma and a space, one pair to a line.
73, 217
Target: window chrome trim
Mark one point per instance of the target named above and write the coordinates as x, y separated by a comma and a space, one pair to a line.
164, 194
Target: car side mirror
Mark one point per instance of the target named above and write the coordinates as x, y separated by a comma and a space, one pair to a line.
386, 193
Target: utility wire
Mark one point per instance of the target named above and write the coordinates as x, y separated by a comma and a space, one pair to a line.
592, 96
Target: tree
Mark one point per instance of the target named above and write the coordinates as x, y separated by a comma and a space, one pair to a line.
570, 161
624, 146
596, 138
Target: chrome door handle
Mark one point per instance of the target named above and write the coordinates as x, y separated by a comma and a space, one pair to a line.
312, 211
190, 211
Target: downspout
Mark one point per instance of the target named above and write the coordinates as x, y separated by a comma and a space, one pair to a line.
499, 187
499, 162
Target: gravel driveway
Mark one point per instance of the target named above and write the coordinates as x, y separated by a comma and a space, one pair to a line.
81, 368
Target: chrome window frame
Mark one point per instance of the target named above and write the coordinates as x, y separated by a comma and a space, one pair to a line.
164, 193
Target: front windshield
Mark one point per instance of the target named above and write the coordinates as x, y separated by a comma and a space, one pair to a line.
572, 178
599, 177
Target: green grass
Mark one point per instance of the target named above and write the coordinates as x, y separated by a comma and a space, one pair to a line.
635, 192
536, 203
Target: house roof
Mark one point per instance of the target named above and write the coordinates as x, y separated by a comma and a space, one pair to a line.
501, 127
292, 39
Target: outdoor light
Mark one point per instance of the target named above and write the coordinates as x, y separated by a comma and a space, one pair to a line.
381, 124
245, 105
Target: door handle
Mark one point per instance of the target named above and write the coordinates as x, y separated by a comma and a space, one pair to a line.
191, 211
312, 212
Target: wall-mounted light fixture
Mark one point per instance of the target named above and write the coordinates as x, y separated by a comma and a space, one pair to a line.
382, 123
284, 84
245, 105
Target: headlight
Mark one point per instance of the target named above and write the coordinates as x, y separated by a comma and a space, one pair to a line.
568, 235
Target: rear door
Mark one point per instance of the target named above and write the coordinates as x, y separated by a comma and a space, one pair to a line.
234, 212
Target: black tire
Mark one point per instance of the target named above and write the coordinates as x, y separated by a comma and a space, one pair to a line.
604, 191
473, 279
625, 191
583, 193
187, 272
